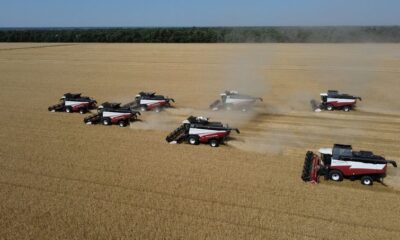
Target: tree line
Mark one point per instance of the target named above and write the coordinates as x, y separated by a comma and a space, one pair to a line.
205, 34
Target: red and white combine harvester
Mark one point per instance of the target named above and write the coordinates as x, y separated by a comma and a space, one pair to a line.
148, 101
112, 113
74, 102
232, 100
342, 162
334, 100
196, 130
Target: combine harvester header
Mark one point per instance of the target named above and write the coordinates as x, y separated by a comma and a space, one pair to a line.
342, 162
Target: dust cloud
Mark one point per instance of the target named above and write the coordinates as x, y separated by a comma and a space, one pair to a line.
393, 175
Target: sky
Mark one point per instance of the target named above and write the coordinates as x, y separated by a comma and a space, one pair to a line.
165, 13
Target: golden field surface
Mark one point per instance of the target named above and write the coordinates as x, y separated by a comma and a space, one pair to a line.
62, 179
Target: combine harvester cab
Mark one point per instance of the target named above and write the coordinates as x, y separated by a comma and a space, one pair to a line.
333, 100
232, 100
149, 101
74, 102
196, 130
112, 113
342, 162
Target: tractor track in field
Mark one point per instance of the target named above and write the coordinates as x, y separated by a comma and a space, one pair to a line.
296, 233
37, 47
162, 176
196, 199
67, 194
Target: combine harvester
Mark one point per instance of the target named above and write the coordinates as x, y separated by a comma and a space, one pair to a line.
196, 130
232, 100
112, 113
74, 102
333, 100
342, 162
147, 101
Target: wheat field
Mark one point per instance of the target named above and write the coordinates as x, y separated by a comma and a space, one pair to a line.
62, 179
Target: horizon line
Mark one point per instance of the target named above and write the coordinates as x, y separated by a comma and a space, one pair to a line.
228, 26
